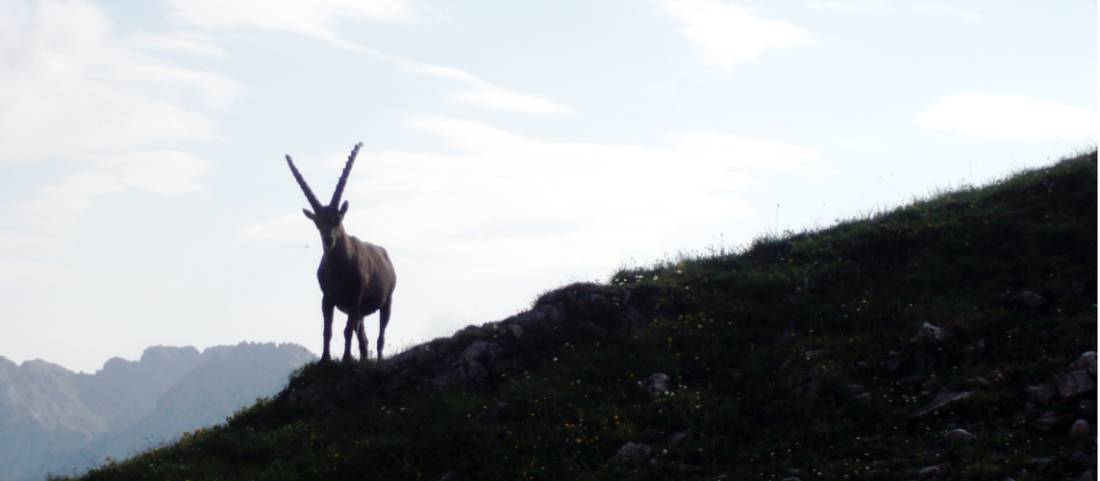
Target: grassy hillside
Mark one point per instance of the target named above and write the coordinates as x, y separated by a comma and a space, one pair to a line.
799, 357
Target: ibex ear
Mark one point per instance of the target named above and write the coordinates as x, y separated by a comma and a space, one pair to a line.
309, 214
344, 208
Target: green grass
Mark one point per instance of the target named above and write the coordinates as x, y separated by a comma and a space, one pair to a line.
738, 333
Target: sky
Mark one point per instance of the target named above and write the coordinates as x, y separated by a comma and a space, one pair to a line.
509, 147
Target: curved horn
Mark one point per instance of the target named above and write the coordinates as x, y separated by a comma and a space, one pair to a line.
313, 202
344, 175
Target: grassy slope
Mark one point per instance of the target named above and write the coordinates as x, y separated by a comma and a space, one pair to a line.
762, 348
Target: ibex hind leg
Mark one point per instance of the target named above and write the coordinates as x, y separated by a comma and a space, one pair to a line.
349, 330
383, 319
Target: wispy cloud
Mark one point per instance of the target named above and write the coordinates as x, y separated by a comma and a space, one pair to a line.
1010, 117
319, 20
923, 7
71, 87
730, 35
496, 98
315, 18
22, 241
185, 43
504, 194
20, 271
56, 207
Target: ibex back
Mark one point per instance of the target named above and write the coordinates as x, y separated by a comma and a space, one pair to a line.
356, 277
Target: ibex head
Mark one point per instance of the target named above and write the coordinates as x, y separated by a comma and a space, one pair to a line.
327, 218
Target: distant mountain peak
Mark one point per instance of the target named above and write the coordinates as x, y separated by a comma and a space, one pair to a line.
55, 420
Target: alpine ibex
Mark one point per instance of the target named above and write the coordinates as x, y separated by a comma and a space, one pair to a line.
355, 276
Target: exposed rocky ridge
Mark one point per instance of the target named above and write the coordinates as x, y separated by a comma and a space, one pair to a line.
478, 355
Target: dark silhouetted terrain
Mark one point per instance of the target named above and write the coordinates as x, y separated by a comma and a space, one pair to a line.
952, 338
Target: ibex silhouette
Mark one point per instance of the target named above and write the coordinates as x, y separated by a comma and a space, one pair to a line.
355, 276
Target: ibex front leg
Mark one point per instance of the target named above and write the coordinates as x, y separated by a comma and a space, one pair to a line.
354, 319
326, 311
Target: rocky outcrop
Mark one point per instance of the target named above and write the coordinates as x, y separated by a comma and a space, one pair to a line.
479, 356
1081, 377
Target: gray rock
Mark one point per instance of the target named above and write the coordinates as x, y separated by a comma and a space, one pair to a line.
812, 354
1080, 429
679, 437
929, 335
1028, 300
804, 396
856, 393
633, 453
1040, 394
944, 399
1047, 420
893, 361
476, 359
1086, 362
928, 472
1041, 464
657, 384
1076, 383
960, 436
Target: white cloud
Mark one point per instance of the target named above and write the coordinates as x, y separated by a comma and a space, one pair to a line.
186, 43
318, 19
580, 206
922, 7
1010, 117
315, 18
19, 272
22, 241
482, 93
56, 207
71, 88
164, 172
501, 99
56, 204
285, 228
730, 35
850, 6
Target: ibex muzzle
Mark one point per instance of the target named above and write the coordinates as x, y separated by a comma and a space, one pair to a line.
356, 277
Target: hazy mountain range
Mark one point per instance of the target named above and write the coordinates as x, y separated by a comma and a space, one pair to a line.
53, 420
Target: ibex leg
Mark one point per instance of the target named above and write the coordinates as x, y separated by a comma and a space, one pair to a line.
383, 319
361, 336
326, 313
349, 329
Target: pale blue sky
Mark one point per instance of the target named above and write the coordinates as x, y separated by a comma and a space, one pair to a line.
510, 147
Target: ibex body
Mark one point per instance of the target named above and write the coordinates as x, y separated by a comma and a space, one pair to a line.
356, 277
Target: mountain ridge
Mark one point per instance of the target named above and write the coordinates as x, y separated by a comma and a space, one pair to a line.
56, 420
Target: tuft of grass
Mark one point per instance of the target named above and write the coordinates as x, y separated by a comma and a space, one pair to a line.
780, 359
